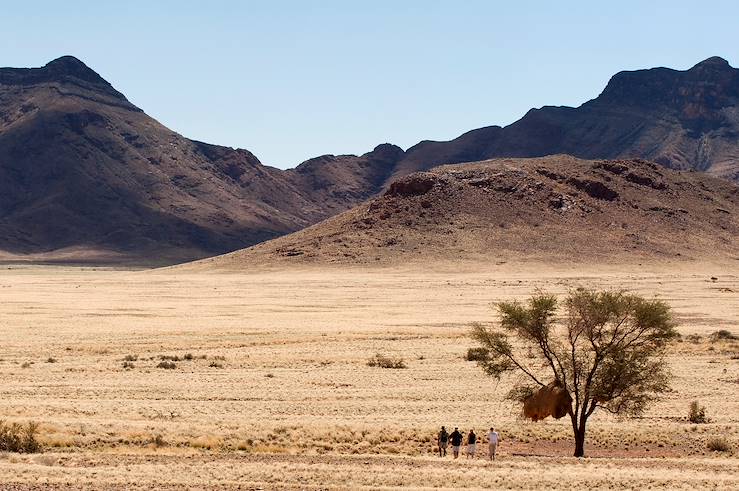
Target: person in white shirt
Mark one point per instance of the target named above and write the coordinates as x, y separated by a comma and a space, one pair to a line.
493, 439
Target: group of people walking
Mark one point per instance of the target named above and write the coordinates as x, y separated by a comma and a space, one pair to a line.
456, 438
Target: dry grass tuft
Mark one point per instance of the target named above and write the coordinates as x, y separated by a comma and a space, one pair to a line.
718, 444
383, 361
18, 438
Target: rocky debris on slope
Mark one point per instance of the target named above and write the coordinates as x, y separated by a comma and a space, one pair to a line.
554, 208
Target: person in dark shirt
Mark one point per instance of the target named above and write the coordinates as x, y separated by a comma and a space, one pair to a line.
456, 439
442, 440
471, 444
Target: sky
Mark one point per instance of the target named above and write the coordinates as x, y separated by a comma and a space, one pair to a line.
291, 80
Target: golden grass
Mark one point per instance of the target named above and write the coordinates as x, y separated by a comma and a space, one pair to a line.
294, 402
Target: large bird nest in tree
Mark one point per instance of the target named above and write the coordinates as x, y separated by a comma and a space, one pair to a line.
551, 400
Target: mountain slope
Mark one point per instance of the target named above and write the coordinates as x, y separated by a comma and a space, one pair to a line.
679, 119
555, 209
83, 169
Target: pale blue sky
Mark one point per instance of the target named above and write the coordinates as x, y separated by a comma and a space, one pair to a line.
290, 80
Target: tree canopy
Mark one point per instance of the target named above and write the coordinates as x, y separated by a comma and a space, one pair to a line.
606, 351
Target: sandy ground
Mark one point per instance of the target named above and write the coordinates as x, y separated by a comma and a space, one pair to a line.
277, 393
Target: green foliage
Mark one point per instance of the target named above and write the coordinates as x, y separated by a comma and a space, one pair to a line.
520, 393
18, 438
607, 351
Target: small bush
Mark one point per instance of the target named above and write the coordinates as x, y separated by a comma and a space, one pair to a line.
188, 356
130, 357
167, 365
723, 335
476, 354
718, 444
169, 357
19, 438
158, 441
51, 359
697, 413
694, 338
26, 364
215, 364
382, 361
128, 365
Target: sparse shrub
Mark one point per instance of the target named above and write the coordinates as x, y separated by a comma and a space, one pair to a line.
188, 356
694, 338
19, 438
270, 375
51, 359
130, 357
382, 361
128, 365
158, 441
169, 357
215, 364
697, 413
718, 444
723, 335
167, 365
476, 354
26, 364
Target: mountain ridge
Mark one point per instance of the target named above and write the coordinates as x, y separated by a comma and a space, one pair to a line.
84, 169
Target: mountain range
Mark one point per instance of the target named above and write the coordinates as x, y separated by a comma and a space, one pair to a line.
87, 175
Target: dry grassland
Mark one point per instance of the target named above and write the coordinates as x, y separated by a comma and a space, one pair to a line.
271, 389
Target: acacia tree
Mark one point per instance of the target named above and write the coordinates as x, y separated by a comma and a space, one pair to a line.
607, 351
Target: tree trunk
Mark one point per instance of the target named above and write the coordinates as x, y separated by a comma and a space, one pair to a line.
580, 441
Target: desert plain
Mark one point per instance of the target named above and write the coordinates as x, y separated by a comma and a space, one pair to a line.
271, 388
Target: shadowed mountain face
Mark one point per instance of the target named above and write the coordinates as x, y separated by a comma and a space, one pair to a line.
680, 119
83, 168
86, 175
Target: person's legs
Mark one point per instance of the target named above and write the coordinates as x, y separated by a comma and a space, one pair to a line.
493, 448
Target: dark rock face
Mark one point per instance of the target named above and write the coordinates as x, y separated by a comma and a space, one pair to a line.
414, 185
81, 167
680, 119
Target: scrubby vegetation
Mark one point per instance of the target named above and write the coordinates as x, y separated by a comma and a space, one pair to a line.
18, 438
697, 413
383, 361
476, 353
718, 444
167, 365
724, 335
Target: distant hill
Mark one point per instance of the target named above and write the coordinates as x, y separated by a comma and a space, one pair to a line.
87, 176
679, 119
554, 209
